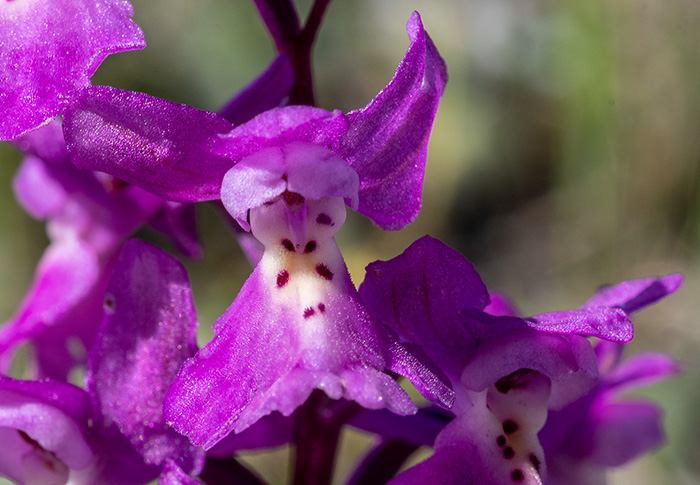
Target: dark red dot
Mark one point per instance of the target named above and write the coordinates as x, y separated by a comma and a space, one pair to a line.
324, 272
517, 476
282, 278
109, 303
292, 198
288, 245
308, 312
324, 219
310, 247
510, 426
501, 441
508, 452
535, 462
321, 307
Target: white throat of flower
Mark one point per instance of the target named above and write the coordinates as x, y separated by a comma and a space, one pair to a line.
302, 262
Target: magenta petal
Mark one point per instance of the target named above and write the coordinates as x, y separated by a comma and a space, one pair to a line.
641, 370
49, 49
148, 331
40, 194
280, 126
53, 414
619, 432
387, 141
501, 305
66, 274
420, 294
155, 144
607, 323
253, 347
453, 465
633, 295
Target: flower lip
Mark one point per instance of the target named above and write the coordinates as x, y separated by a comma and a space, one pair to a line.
308, 170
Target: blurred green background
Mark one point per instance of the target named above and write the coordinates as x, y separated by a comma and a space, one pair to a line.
565, 156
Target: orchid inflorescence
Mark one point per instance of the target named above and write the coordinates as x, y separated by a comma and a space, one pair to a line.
300, 353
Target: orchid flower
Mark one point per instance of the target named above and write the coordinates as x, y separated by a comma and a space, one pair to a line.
507, 371
48, 50
114, 432
286, 175
89, 216
601, 430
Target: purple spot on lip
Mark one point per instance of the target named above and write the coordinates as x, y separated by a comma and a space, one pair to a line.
517, 476
321, 307
324, 272
535, 462
282, 278
324, 219
308, 312
510, 426
288, 245
310, 247
508, 452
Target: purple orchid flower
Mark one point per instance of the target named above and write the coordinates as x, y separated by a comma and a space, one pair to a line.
298, 323
601, 430
114, 432
48, 50
507, 371
89, 216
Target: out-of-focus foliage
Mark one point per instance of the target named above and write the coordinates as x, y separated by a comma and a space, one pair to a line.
565, 154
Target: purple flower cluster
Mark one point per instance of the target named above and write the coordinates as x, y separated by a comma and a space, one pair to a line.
300, 353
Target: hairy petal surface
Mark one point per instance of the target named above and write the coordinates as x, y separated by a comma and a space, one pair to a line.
148, 331
387, 140
611, 324
158, 145
49, 49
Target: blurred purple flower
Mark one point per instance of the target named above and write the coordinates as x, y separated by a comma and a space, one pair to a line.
601, 430
114, 432
48, 49
506, 371
89, 216
297, 323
